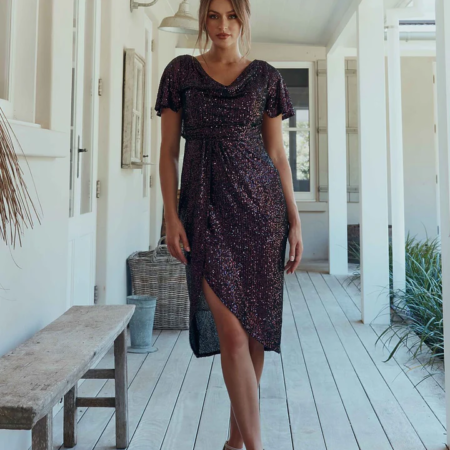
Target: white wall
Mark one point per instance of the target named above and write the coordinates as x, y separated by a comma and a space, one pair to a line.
419, 150
164, 51
122, 210
127, 221
33, 277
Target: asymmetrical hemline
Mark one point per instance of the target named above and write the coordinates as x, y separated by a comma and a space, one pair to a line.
249, 331
231, 203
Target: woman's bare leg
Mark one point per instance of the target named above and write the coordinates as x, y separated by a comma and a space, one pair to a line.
257, 354
237, 368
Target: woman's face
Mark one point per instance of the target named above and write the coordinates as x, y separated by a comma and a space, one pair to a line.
222, 23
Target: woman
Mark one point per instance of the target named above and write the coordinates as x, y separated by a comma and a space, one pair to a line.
236, 209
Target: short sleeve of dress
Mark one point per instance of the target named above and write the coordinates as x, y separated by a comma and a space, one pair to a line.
278, 100
169, 95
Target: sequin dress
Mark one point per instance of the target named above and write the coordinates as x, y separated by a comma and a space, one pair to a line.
231, 203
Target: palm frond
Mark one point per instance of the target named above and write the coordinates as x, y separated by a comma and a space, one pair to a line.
16, 205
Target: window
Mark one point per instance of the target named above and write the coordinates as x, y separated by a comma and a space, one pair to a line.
299, 130
18, 58
6, 14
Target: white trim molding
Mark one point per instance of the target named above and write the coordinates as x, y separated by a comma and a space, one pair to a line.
311, 195
39, 142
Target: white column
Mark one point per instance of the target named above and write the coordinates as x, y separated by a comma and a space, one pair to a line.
373, 195
443, 108
396, 155
337, 163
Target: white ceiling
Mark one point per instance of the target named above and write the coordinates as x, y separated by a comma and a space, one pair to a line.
349, 34
306, 22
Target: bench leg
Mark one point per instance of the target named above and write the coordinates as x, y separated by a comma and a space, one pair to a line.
120, 358
42, 433
70, 417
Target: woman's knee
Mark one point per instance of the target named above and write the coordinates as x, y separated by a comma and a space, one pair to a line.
234, 339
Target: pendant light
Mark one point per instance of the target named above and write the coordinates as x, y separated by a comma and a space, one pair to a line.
182, 22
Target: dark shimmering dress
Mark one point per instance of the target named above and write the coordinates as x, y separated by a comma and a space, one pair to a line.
231, 205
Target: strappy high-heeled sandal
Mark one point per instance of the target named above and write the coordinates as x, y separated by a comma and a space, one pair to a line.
229, 447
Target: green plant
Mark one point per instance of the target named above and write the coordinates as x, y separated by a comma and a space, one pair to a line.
417, 314
418, 307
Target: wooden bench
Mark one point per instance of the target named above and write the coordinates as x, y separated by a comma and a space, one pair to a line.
45, 368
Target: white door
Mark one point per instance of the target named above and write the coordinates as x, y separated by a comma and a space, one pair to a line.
84, 152
148, 214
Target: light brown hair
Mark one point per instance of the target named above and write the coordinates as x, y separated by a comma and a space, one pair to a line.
242, 10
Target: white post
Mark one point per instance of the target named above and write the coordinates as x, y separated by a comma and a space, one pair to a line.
373, 194
337, 163
443, 107
396, 154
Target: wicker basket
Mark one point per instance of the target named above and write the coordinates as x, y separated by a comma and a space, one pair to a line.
159, 274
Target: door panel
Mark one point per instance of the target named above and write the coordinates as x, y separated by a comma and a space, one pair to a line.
84, 152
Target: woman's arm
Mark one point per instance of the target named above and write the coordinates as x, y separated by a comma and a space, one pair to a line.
273, 142
168, 173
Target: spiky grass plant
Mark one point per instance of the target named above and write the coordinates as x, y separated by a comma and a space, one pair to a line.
418, 307
417, 319
16, 205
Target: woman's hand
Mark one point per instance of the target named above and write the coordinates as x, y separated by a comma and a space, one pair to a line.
175, 233
296, 246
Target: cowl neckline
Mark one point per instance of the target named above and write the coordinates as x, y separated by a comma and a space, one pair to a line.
235, 81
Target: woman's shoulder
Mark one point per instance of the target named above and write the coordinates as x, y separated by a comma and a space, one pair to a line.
180, 60
272, 74
271, 70
177, 63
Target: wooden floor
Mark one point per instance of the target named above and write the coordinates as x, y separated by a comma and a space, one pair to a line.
329, 388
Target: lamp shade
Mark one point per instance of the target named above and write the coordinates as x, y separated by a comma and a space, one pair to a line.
182, 22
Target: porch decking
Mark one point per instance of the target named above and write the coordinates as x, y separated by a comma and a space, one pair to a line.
329, 388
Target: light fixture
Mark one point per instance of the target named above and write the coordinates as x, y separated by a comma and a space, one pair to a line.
182, 22
135, 5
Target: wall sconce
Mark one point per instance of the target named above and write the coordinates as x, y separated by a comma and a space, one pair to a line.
135, 5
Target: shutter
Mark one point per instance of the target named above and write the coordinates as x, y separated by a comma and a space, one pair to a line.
322, 133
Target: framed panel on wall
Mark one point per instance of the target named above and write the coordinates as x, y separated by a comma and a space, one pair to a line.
133, 110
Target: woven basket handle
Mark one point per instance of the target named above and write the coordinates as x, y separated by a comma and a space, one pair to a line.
161, 253
162, 238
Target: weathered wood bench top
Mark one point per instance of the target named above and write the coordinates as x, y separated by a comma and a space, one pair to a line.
35, 375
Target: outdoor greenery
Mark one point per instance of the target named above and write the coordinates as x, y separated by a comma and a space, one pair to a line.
417, 315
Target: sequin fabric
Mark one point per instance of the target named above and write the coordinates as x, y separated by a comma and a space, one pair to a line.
231, 204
